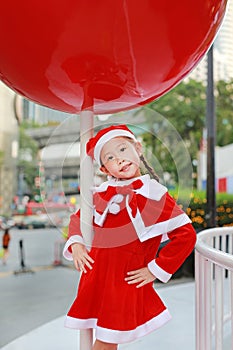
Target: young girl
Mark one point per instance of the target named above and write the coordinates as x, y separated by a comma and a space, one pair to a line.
132, 214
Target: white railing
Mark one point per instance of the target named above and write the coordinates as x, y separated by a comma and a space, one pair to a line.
214, 289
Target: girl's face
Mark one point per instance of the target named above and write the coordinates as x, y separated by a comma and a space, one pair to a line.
120, 158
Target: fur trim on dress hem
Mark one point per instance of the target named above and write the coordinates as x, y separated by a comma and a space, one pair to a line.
116, 336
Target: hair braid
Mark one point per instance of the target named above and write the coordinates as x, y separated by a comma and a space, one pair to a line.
149, 168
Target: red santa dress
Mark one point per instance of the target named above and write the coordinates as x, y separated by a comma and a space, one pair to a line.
130, 220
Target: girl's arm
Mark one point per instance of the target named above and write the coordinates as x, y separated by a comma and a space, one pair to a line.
74, 235
81, 258
171, 257
173, 254
75, 247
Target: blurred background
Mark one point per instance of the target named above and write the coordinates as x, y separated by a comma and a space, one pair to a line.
39, 147
39, 180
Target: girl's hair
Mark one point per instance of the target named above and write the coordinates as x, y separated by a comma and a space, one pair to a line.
146, 164
149, 168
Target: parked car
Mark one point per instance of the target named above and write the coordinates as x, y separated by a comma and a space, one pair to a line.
41, 215
31, 221
6, 222
2, 221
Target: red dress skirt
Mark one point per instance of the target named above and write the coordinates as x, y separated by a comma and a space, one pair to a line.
118, 312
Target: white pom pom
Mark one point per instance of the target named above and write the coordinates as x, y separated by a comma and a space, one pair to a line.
114, 208
118, 198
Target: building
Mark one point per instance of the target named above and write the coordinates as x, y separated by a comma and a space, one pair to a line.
224, 40
41, 115
222, 54
223, 169
8, 149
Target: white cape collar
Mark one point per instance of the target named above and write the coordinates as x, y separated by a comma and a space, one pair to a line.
151, 188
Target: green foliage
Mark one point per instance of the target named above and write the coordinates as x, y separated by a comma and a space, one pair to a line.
1, 157
28, 124
28, 163
31, 124
26, 143
185, 108
197, 208
224, 111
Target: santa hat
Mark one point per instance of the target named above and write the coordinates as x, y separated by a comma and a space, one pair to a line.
96, 143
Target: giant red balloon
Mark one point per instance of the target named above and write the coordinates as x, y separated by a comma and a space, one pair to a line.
70, 54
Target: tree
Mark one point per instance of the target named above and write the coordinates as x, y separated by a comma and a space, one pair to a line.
185, 108
1, 157
224, 112
28, 161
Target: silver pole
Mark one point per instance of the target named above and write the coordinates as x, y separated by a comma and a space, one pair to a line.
86, 201
211, 140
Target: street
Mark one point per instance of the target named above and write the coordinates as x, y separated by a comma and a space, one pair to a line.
33, 304
40, 294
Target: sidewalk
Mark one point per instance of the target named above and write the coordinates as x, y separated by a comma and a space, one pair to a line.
178, 334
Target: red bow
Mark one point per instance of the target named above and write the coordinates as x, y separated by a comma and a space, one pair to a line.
104, 197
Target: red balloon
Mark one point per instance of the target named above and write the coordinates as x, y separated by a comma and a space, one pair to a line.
71, 54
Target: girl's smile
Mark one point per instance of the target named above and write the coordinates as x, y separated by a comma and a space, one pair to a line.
126, 167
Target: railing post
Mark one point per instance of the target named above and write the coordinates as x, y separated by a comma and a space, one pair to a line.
207, 304
198, 299
218, 307
231, 296
230, 240
213, 257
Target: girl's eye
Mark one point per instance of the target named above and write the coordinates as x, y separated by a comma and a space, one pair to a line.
122, 149
110, 158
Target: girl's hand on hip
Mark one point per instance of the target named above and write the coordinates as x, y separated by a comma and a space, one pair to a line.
81, 258
141, 276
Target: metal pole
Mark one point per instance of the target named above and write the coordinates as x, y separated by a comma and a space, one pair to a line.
21, 251
211, 134
86, 201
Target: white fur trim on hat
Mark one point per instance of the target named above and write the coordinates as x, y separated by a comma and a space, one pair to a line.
107, 137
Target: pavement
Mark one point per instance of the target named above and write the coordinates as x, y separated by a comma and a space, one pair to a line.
33, 303
179, 333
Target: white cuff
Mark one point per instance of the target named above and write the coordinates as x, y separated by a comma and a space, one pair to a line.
73, 239
159, 273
